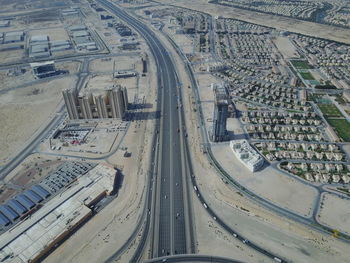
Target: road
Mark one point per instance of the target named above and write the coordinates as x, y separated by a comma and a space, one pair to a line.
172, 230
55, 121
193, 258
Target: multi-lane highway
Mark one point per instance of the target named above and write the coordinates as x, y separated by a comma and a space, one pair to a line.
192, 258
172, 230
172, 226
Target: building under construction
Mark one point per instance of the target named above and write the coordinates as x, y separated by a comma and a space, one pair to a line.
109, 103
219, 131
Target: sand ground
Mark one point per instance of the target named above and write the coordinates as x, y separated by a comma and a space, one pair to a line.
286, 47
335, 212
54, 33
268, 183
120, 62
25, 110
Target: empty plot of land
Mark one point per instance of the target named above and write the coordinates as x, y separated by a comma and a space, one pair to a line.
7, 81
12, 55
287, 49
183, 41
24, 111
335, 213
119, 63
56, 33
268, 183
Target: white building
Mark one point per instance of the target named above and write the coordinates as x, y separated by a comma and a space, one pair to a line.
247, 155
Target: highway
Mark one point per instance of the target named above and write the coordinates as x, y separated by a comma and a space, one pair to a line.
234, 232
172, 228
167, 214
171, 223
192, 258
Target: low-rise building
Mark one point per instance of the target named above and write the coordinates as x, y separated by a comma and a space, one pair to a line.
346, 179
335, 178
247, 155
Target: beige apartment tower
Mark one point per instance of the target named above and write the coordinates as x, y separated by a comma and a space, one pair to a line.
111, 102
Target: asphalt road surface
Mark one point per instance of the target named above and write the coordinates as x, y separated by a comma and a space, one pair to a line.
172, 225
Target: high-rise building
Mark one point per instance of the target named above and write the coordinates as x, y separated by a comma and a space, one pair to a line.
70, 100
219, 131
112, 102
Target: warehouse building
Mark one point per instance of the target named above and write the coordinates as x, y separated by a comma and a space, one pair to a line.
60, 45
77, 28
31, 199
110, 103
17, 206
39, 39
12, 37
4, 23
40, 233
46, 69
81, 33
10, 47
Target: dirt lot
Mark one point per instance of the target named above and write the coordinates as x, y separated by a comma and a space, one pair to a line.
121, 63
55, 33
286, 47
333, 213
25, 110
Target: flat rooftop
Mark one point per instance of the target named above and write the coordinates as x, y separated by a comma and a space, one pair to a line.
29, 240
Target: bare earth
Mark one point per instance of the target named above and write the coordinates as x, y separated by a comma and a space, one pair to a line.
287, 49
268, 183
25, 110
333, 213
